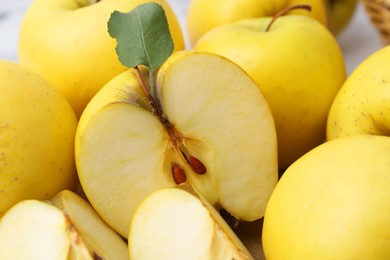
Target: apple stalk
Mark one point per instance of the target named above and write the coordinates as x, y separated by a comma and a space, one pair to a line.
285, 11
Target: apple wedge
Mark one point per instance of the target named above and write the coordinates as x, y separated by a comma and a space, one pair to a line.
98, 237
216, 131
41, 230
177, 223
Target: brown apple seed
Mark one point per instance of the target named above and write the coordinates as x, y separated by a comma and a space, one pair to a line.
197, 165
179, 176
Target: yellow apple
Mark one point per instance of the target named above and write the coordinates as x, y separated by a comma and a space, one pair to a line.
66, 227
203, 15
333, 203
299, 67
66, 41
340, 13
362, 104
216, 132
178, 223
37, 129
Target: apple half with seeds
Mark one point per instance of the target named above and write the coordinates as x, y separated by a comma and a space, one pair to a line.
213, 129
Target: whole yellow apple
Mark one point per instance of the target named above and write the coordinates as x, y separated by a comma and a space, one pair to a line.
37, 127
299, 67
204, 15
66, 41
333, 203
362, 105
340, 13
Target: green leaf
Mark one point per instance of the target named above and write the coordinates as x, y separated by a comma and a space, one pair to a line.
142, 36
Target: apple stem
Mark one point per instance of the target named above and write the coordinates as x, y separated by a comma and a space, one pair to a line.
155, 105
285, 11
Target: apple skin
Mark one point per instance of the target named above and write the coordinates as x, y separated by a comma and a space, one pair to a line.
74, 51
37, 137
203, 15
340, 13
299, 67
362, 104
333, 203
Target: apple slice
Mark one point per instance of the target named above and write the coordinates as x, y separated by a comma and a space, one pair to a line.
98, 237
177, 223
35, 229
40, 230
216, 132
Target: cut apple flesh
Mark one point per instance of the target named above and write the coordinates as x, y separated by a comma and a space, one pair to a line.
214, 114
65, 228
34, 230
226, 123
172, 224
100, 240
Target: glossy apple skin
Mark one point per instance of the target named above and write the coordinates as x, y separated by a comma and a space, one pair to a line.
333, 203
299, 67
74, 50
37, 127
362, 104
203, 15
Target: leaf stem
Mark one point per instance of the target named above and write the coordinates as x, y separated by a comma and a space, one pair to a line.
285, 11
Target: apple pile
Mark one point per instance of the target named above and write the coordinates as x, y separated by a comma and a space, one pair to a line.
117, 143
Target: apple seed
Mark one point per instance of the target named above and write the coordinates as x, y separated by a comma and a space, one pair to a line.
197, 165
179, 176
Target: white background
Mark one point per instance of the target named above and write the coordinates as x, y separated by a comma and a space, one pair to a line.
359, 40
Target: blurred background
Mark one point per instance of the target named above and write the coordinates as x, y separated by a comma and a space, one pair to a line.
357, 41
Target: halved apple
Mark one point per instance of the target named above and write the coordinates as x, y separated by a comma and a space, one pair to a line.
41, 230
177, 223
215, 131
